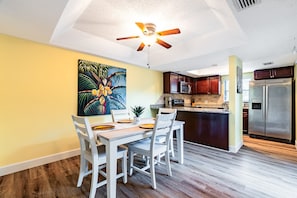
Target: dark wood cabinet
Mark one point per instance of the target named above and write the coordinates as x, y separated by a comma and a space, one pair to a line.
203, 85
170, 82
281, 72
208, 85
209, 129
245, 120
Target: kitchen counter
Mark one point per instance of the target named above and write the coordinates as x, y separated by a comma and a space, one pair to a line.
204, 110
203, 125
193, 109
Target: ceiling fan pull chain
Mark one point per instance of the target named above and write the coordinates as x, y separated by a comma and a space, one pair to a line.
148, 57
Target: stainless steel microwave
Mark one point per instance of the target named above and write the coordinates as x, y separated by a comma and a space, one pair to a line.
185, 87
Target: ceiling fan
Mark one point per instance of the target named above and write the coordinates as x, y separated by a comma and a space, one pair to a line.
149, 32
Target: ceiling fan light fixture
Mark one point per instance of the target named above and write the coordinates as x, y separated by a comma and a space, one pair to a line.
148, 40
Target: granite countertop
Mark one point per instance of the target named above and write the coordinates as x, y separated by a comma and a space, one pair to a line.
202, 110
194, 109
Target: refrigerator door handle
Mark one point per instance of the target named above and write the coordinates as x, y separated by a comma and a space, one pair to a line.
266, 101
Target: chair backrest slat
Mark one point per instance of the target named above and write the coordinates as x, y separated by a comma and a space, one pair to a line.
85, 134
163, 126
118, 114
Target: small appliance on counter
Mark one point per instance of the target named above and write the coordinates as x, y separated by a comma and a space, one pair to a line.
168, 101
178, 102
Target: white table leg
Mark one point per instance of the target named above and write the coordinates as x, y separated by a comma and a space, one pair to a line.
111, 168
180, 143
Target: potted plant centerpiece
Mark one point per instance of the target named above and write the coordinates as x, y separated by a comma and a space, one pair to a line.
137, 111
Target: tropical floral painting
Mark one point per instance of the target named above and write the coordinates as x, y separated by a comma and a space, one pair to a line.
100, 88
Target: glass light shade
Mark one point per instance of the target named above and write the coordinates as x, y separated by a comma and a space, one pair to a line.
149, 40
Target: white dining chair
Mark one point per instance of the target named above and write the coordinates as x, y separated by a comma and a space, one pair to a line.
91, 151
119, 114
151, 149
166, 111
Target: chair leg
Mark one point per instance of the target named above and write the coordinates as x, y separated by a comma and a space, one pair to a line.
152, 172
82, 171
131, 159
94, 180
167, 161
124, 167
171, 147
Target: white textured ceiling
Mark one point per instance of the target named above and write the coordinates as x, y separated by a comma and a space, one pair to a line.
211, 31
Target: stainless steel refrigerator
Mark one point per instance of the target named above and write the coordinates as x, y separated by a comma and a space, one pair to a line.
270, 108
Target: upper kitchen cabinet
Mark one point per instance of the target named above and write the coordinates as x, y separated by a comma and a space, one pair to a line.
281, 72
208, 85
171, 82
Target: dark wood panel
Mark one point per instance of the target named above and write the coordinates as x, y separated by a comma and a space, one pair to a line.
260, 169
208, 85
170, 82
206, 128
215, 85
202, 85
245, 120
280, 72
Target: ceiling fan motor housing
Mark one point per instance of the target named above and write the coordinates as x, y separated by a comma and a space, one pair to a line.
149, 29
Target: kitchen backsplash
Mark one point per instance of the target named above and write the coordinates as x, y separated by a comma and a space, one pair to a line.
206, 100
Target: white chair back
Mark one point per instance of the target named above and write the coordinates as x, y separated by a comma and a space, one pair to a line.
86, 137
163, 127
166, 110
119, 114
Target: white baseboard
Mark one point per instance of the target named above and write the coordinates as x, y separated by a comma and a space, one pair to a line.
12, 168
235, 149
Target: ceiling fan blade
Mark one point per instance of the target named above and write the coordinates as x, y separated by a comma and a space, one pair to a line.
141, 26
128, 37
163, 43
141, 46
168, 32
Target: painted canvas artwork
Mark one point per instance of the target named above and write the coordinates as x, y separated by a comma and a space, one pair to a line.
100, 88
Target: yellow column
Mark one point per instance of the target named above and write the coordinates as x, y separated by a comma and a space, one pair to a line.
235, 104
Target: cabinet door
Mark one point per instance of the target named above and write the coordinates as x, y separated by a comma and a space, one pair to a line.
245, 120
283, 72
262, 74
194, 86
214, 85
170, 82
174, 81
202, 85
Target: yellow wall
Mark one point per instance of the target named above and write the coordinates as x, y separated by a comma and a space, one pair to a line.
38, 85
235, 106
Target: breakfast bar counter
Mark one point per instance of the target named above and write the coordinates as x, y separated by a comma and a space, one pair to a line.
207, 126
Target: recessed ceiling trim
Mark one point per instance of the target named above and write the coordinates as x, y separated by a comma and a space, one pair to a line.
244, 4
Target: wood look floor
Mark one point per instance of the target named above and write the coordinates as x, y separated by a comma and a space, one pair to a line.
260, 169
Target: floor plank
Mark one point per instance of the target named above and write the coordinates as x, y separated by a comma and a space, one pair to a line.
261, 168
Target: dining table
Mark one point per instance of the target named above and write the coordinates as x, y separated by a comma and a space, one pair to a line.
125, 132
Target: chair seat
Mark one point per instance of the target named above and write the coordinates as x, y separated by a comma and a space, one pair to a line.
141, 147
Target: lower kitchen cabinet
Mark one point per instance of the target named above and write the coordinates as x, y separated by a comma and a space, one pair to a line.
211, 129
245, 120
